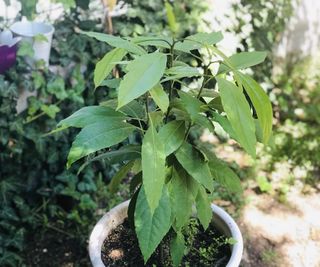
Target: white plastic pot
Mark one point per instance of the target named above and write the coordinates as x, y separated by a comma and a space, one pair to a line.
28, 30
221, 219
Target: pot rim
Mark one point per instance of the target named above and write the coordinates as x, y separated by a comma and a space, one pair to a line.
117, 215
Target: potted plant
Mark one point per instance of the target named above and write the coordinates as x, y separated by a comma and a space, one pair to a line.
38, 34
173, 174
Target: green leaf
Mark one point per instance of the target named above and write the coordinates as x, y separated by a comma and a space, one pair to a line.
135, 182
158, 41
121, 174
128, 152
106, 64
133, 109
194, 108
40, 38
205, 93
182, 189
116, 41
89, 115
96, 136
177, 248
225, 176
239, 114
172, 136
50, 110
198, 40
160, 97
261, 103
243, 60
216, 104
203, 208
153, 166
178, 72
171, 18
143, 74
151, 226
225, 124
192, 162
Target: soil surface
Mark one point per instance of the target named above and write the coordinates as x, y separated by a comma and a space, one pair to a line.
51, 248
207, 248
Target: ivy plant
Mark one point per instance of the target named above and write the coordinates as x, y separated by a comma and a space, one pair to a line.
161, 99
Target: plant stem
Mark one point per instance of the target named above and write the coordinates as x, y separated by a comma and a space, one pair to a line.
172, 82
147, 108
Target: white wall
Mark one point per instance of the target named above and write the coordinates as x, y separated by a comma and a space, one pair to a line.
302, 35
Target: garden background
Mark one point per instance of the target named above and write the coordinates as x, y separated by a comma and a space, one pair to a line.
47, 211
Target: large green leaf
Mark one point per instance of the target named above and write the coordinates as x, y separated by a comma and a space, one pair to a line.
260, 102
225, 124
89, 115
143, 74
106, 64
121, 174
153, 166
97, 136
194, 107
198, 40
116, 41
182, 190
133, 109
125, 153
160, 97
172, 136
239, 115
158, 41
177, 248
243, 60
225, 176
203, 205
151, 226
192, 162
178, 72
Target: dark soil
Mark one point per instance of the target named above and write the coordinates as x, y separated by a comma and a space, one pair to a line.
206, 248
51, 248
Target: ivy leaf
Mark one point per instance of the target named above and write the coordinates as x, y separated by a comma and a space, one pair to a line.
160, 97
96, 136
172, 136
192, 162
177, 248
117, 42
182, 189
106, 64
56, 86
151, 226
89, 115
143, 74
50, 110
260, 102
198, 41
121, 174
243, 60
203, 205
153, 166
239, 114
